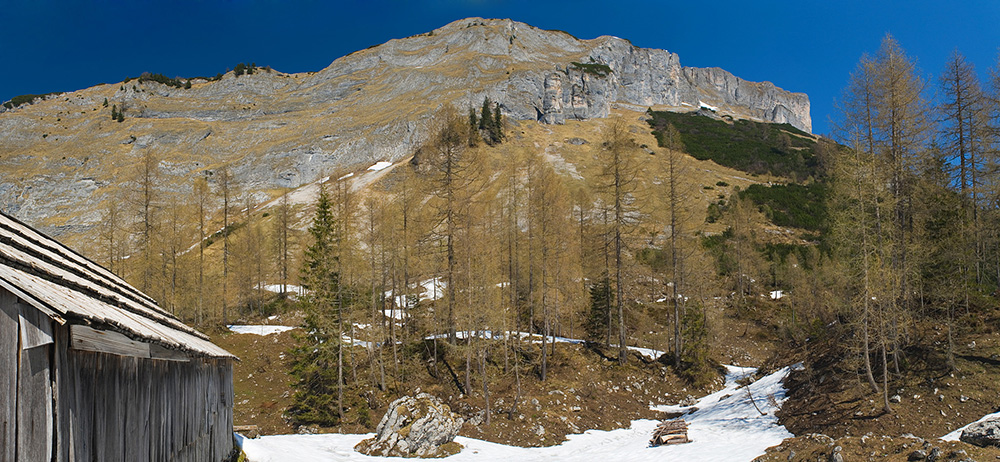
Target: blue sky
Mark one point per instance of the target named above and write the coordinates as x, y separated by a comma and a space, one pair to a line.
806, 46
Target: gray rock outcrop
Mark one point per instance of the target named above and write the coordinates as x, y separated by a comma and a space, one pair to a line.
983, 434
420, 426
642, 77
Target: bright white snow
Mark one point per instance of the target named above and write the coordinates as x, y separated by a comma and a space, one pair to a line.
380, 166
725, 426
259, 330
291, 288
955, 435
394, 313
777, 294
535, 338
709, 107
433, 289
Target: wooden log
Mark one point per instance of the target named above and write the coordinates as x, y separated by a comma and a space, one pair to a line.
249, 431
670, 432
673, 439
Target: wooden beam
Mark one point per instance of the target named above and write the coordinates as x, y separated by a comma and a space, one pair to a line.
159, 352
105, 341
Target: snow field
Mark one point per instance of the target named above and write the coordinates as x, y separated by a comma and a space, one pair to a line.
723, 426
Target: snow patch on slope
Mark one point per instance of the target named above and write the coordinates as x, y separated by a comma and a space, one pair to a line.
259, 330
955, 435
380, 166
725, 426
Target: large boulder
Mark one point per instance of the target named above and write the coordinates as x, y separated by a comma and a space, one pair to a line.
983, 434
420, 426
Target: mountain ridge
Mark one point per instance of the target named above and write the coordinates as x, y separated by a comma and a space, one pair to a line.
66, 156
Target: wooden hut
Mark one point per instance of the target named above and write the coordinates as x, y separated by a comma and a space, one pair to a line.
91, 369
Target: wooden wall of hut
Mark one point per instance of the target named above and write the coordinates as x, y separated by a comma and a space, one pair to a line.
73, 405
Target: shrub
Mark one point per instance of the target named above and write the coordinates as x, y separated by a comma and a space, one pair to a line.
792, 204
26, 99
160, 78
243, 68
753, 147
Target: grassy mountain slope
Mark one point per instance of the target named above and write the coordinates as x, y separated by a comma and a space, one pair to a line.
65, 158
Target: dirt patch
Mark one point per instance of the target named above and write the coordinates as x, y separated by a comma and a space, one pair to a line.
585, 389
830, 395
261, 383
882, 448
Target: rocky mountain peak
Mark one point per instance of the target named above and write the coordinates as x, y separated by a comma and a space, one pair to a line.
278, 130
551, 76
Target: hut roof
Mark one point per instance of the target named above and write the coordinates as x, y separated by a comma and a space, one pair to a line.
68, 287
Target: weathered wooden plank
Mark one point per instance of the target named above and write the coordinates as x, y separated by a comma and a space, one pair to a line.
156, 403
34, 406
8, 375
82, 365
166, 354
105, 341
137, 411
226, 439
100, 436
116, 373
64, 395
14, 289
36, 327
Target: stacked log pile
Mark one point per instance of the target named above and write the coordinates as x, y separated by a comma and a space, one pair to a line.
670, 432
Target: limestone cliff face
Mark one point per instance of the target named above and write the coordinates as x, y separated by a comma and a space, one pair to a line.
644, 78
63, 158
